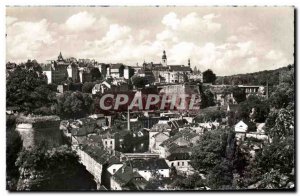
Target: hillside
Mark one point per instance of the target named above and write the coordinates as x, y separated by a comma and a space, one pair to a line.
256, 78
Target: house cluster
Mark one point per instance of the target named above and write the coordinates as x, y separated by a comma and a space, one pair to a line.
80, 70
99, 145
132, 150
115, 77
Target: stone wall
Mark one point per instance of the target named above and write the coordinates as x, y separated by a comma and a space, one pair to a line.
91, 165
44, 131
180, 89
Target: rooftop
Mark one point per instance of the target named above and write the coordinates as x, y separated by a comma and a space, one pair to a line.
149, 164
97, 152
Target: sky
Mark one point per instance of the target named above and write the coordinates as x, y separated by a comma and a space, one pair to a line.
228, 40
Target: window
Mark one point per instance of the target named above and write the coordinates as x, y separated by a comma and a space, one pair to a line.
178, 163
172, 164
114, 170
105, 142
182, 163
111, 142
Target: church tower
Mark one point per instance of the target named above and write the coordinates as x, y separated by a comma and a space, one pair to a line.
189, 63
164, 59
60, 58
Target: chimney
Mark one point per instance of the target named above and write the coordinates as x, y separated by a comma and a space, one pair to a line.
128, 120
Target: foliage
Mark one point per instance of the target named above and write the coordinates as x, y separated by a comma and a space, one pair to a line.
238, 94
272, 166
212, 146
220, 177
280, 124
209, 76
88, 87
53, 169
284, 93
13, 147
28, 89
189, 182
209, 98
256, 78
96, 75
141, 82
74, 105
255, 108
215, 115
214, 157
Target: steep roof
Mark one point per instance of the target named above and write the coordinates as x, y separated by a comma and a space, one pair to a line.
186, 134
160, 68
116, 66
178, 123
160, 127
179, 68
125, 174
97, 152
149, 164
240, 125
160, 136
179, 156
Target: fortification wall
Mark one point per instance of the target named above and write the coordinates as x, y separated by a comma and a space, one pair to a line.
180, 89
45, 132
91, 165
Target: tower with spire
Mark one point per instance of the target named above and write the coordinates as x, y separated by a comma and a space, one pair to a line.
164, 59
189, 62
60, 57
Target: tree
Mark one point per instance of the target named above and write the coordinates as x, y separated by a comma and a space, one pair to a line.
255, 108
52, 169
209, 97
34, 65
213, 156
87, 87
141, 82
209, 76
211, 148
13, 147
280, 124
215, 115
273, 166
28, 89
96, 74
74, 105
238, 94
284, 93
220, 177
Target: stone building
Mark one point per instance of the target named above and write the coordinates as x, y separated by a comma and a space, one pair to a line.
151, 168
56, 71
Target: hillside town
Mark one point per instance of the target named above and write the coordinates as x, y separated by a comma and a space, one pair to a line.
53, 113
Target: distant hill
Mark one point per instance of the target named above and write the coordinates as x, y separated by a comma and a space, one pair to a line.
256, 78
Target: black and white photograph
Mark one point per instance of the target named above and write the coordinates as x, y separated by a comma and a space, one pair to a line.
150, 98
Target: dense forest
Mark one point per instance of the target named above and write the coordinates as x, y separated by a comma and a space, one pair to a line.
273, 77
